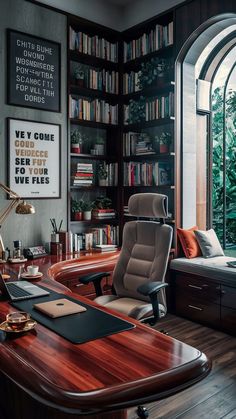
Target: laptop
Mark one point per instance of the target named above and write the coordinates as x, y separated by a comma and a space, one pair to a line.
20, 290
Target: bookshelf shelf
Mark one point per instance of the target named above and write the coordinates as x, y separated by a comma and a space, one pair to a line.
150, 91
162, 52
112, 221
94, 93
147, 124
92, 188
92, 61
92, 157
141, 157
91, 124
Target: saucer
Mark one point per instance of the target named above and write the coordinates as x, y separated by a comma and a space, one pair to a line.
30, 324
26, 275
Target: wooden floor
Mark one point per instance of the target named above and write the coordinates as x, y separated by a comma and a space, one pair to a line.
215, 396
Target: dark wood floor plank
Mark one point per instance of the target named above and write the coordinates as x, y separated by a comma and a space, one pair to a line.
217, 392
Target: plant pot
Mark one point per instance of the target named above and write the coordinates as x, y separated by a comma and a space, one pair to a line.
77, 216
76, 148
164, 148
79, 82
102, 182
87, 215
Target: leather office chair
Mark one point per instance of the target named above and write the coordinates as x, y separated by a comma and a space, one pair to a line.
138, 278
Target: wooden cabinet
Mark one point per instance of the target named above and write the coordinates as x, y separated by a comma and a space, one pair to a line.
205, 300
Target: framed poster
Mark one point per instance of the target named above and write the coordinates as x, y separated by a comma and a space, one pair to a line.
34, 158
33, 73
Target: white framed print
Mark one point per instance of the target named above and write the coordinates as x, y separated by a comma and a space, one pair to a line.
34, 150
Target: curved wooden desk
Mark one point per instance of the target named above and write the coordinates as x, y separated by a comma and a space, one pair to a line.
44, 373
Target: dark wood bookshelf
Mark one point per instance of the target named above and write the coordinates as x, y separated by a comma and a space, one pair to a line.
91, 188
92, 60
94, 93
150, 187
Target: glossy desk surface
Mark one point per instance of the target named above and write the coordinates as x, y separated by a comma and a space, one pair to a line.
113, 372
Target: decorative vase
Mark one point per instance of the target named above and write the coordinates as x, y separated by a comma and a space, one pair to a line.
164, 148
78, 216
76, 148
87, 215
102, 182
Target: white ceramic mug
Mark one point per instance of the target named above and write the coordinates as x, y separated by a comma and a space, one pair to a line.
32, 269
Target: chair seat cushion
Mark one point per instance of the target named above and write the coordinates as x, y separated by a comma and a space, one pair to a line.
129, 306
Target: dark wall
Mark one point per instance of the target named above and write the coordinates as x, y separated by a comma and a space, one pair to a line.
39, 21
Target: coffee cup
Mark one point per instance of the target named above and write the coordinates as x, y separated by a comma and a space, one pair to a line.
32, 270
17, 320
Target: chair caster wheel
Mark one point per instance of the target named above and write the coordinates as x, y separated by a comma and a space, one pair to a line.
164, 332
142, 412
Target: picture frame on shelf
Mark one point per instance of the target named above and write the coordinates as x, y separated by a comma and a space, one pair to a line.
34, 156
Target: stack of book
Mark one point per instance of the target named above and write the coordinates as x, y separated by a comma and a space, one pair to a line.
105, 248
84, 175
136, 143
93, 45
159, 37
93, 110
103, 214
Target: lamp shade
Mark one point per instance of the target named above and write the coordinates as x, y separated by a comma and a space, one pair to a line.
25, 208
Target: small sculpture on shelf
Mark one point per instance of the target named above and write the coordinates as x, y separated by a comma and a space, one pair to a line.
102, 174
79, 75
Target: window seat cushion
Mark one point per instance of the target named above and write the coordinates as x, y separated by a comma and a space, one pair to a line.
214, 268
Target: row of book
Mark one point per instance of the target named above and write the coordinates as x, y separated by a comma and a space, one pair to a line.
104, 235
93, 110
137, 144
159, 37
158, 108
105, 81
130, 82
84, 175
93, 45
147, 174
112, 174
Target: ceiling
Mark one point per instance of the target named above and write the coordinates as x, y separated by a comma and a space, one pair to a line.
121, 2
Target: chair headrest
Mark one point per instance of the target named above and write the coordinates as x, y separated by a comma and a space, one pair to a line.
151, 205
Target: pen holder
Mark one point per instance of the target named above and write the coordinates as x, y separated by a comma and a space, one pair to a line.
54, 238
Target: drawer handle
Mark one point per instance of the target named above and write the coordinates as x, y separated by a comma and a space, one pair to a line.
194, 286
195, 308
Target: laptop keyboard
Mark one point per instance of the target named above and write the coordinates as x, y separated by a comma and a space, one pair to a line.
16, 291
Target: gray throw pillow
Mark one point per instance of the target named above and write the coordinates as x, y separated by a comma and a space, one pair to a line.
209, 243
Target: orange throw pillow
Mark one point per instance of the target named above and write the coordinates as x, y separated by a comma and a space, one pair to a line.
189, 242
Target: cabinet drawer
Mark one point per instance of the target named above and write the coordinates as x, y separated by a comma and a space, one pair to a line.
228, 320
228, 296
197, 288
198, 311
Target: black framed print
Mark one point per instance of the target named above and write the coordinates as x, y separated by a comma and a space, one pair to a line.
33, 71
34, 158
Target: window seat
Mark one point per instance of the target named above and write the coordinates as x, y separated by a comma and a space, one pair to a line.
215, 268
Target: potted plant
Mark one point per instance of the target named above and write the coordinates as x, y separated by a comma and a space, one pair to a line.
87, 207
152, 71
102, 202
76, 209
102, 174
164, 142
76, 141
99, 146
79, 75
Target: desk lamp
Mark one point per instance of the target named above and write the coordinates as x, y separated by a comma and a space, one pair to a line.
22, 207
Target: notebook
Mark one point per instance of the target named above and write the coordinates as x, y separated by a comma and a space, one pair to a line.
59, 308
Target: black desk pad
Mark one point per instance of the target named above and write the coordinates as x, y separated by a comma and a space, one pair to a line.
77, 328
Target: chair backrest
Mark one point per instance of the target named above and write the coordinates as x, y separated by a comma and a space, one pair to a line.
145, 248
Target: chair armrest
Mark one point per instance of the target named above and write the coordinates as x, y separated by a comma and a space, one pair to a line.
150, 288
95, 279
